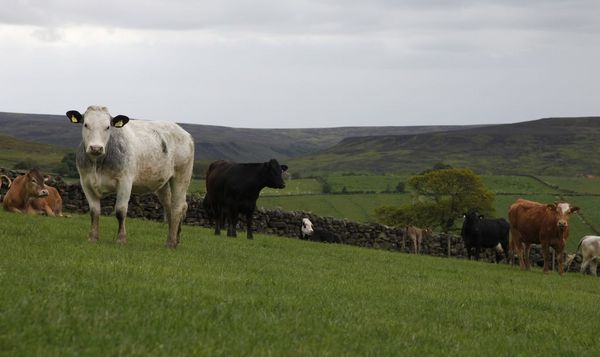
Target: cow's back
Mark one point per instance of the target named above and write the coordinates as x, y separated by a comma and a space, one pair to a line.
147, 152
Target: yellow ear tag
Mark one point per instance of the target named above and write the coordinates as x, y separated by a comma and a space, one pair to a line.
73, 119
119, 124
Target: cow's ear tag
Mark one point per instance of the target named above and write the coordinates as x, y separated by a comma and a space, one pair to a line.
74, 120
118, 124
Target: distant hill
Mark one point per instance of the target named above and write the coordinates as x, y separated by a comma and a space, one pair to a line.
213, 142
552, 146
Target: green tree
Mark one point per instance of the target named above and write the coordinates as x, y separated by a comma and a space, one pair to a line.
440, 198
400, 187
68, 166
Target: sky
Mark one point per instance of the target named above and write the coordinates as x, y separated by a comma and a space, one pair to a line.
303, 63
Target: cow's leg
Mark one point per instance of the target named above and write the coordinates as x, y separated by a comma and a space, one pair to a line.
526, 251
164, 197
584, 265
546, 253
249, 225
94, 203
219, 219
593, 266
49, 212
179, 185
477, 250
232, 217
414, 240
123, 195
559, 248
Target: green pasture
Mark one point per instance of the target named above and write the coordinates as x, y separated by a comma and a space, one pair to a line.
62, 295
306, 186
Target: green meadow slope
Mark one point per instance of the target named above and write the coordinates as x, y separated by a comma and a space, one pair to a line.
62, 295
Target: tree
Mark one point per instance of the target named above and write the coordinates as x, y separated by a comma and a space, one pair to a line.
448, 193
400, 187
440, 198
68, 166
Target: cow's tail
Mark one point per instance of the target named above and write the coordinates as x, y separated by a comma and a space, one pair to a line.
7, 180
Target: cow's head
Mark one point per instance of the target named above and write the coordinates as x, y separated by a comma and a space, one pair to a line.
97, 125
472, 217
307, 227
275, 174
561, 211
34, 184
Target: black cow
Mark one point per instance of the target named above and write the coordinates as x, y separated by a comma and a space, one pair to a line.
478, 232
307, 232
233, 188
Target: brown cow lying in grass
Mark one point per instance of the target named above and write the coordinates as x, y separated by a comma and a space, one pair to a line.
29, 194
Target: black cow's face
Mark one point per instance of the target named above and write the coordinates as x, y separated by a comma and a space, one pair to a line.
275, 174
472, 218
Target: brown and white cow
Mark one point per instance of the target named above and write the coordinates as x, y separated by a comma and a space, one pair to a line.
537, 223
120, 156
416, 235
23, 190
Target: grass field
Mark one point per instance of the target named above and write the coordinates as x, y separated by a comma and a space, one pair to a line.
272, 296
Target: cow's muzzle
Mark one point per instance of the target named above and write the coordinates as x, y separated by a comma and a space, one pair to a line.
43, 193
96, 150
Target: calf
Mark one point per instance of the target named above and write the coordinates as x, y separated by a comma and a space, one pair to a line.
590, 253
537, 223
233, 188
50, 205
139, 157
478, 232
308, 232
23, 190
416, 235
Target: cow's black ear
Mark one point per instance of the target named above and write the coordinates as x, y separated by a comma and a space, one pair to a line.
75, 117
284, 167
119, 121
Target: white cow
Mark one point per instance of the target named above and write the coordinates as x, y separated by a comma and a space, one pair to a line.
590, 252
140, 157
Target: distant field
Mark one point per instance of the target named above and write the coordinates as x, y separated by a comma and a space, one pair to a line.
272, 296
355, 207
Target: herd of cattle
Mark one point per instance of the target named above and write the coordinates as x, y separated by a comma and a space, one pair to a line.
123, 156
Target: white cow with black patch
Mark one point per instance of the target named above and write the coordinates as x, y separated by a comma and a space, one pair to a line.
120, 156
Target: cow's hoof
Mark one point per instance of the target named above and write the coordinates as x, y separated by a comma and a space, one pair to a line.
170, 245
250, 237
93, 238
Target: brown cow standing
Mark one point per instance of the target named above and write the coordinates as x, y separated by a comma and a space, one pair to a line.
23, 190
416, 235
538, 223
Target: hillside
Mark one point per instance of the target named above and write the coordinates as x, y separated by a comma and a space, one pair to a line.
213, 142
14, 150
552, 146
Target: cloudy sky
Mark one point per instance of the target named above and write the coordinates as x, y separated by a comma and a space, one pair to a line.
303, 63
